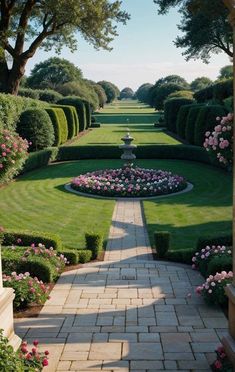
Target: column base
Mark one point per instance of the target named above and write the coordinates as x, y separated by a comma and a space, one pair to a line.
229, 340
6, 317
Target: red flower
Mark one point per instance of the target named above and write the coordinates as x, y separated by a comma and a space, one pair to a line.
35, 342
24, 349
218, 364
28, 356
45, 362
46, 352
34, 350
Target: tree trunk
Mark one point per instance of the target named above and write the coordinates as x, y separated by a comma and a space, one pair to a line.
4, 73
10, 79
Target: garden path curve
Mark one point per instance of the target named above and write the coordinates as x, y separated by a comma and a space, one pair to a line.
129, 312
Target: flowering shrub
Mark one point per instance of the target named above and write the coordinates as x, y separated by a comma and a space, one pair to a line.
220, 142
200, 259
27, 289
13, 153
49, 253
222, 364
33, 360
129, 181
213, 289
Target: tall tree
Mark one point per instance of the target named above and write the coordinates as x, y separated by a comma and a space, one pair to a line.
204, 26
226, 72
126, 93
200, 83
28, 25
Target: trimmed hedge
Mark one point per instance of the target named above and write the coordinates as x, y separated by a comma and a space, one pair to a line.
28, 237
49, 95
218, 264
162, 243
204, 94
214, 240
182, 118
72, 119
88, 113
171, 109
40, 159
206, 121
94, 243
191, 121
80, 108
84, 255
181, 255
71, 255
218, 91
60, 126
28, 92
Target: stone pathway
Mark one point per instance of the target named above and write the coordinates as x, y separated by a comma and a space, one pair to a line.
129, 314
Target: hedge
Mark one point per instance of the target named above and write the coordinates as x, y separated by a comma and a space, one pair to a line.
13, 106
182, 118
171, 109
218, 91
71, 255
40, 159
72, 119
214, 240
88, 113
180, 255
218, 264
80, 108
190, 123
49, 95
162, 243
204, 94
28, 237
206, 121
60, 126
28, 92
84, 255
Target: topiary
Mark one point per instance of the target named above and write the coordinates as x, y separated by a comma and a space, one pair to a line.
162, 243
70, 113
206, 121
80, 108
35, 125
190, 123
60, 125
84, 255
182, 117
49, 95
171, 109
94, 242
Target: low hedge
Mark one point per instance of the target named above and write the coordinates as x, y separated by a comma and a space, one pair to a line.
191, 121
40, 159
84, 255
49, 95
171, 109
10, 237
60, 126
206, 121
80, 108
203, 241
72, 122
218, 264
180, 255
71, 255
162, 243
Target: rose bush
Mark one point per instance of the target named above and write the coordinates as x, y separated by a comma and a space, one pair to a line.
220, 142
13, 153
129, 181
222, 363
201, 259
33, 360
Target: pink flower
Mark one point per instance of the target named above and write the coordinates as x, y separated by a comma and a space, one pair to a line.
45, 362
218, 364
35, 342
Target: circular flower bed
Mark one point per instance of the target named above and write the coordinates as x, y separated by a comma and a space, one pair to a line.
129, 181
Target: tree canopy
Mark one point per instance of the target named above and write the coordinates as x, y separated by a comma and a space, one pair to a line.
200, 83
111, 90
204, 26
226, 72
28, 25
126, 93
142, 92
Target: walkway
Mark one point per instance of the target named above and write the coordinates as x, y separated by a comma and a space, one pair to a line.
132, 314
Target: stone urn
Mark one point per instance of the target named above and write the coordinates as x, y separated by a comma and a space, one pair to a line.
127, 147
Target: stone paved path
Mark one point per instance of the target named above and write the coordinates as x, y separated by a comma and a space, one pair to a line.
131, 314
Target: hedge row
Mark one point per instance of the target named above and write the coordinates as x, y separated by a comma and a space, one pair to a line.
72, 119
81, 108
171, 109
40, 159
59, 123
47, 95
218, 91
11, 237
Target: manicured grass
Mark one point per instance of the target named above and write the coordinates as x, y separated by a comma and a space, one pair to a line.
206, 210
38, 201
127, 107
144, 134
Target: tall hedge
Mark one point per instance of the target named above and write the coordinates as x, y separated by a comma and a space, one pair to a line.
206, 121
182, 120
88, 113
60, 126
171, 109
70, 113
218, 91
80, 108
191, 121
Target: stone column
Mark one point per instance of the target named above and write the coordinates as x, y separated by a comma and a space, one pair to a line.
229, 340
6, 312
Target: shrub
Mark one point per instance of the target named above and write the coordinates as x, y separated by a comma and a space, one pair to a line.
63, 125
39, 267
171, 108
13, 153
95, 125
181, 94
9, 359
162, 243
160, 93
35, 125
26, 238
228, 103
204, 94
72, 119
213, 290
39, 159
206, 121
219, 263
85, 255
80, 108
49, 95
181, 121
204, 241
94, 242
11, 108
191, 121
222, 362
88, 113
71, 256
28, 92
59, 123
219, 143
223, 89
27, 289
180, 255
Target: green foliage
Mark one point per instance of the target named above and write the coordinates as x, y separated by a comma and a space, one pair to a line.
206, 121
35, 125
94, 243
226, 72
143, 91
59, 123
72, 119
82, 89
228, 103
182, 117
217, 91
111, 91
191, 122
200, 83
62, 124
9, 359
171, 109
180, 255
162, 243
88, 113
204, 241
49, 95
71, 255
13, 106
101, 94
204, 94
126, 93
39, 159
26, 238
218, 264
85, 255
80, 108
28, 92
181, 94
161, 93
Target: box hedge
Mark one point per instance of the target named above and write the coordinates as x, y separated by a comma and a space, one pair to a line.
10, 237
84, 255
180, 255
206, 121
80, 108
171, 109
94, 243
60, 126
71, 255
182, 118
191, 121
40, 159
88, 113
218, 264
162, 243
72, 119
203, 241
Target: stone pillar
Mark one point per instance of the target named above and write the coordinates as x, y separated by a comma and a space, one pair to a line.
6, 312
229, 340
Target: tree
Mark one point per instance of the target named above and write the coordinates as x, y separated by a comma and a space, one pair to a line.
100, 93
126, 93
161, 93
175, 79
111, 91
53, 72
204, 25
200, 83
142, 92
226, 72
28, 25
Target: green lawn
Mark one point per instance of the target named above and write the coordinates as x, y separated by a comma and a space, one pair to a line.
38, 201
127, 106
144, 134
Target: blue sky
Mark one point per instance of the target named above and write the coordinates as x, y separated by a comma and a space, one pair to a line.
143, 52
